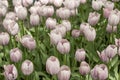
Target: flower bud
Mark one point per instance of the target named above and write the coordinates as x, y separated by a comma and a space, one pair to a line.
34, 19
11, 15
37, 3
44, 2
52, 65
34, 9
27, 3
63, 13
51, 1
90, 34
83, 1
15, 55
106, 12
51, 23
111, 29
17, 2
115, 0
4, 2
21, 12
64, 73
117, 42
67, 24
84, 68
10, 72
97, 5
75, 33
119, 51
28, 42
99, 72
111, 51
63, 46
93, 18
7, 22
4, 38
80, 55
58, 3
27, 67
3, 9
109, 5
74, 12
84, 26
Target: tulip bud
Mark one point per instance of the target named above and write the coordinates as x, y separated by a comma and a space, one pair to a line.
51, 23
34, 9
63, 46
21, 12
27, 3
58, 3
44, 2
90, 34
52, 65
34, 19
74, 12
63, 13
28, 42
99, 72
10, 72
64, 73
75, 33
117, 42
115, 0
109, 5
84, 26
103, 56
11, 15
111, 29
15, 55
3, 9
84, 68
27, 67
4, 38
93, 18
111, 51
106, 12
51, 1
80, 55
7, 22
67, 24
70, 4
119, 51
83, 1
17, 2
97, 5
55, 38
37, 3
114, 18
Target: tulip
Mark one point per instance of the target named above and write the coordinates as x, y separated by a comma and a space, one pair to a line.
4, 2
67, 24
15, 55
115, 0
97, 5
93, 18
34, 19
111, 29
83, 1
119, 51
4, 38
84, 26
52, 65
51, 1
28, 42
34, 9
64, 73
10, 72
44, 2
106, 12
63, 46
75, 33
117, 42
55, 38
17, 2
51, 23
84, 68
58, 3
27, 67
99, 72
3, 10
27, 3
109, 5
80, 55
74, 12
11, 15
37, 3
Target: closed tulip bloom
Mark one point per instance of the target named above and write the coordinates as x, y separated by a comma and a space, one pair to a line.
63, 46
113, 18
84, 26
63, 13
75, 33
99, 72
83, 1
28, 42
27, 3
64, 73
17, 2
80, 55
15, 55
103, 56
106, 12
93, 18
55, 38
51, 1
111, 51
44, 2
21, 12
90, 34
37, 3
4, 38
117, 42
111, 29
52, 65
34, 9
34, 19
10, 72
51, 23
67, 24
116, 0
58, 3
7, 22
27, 67
119, 51
74, 12
97, 4
11, 15
84, 68
3, 9
109, 5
